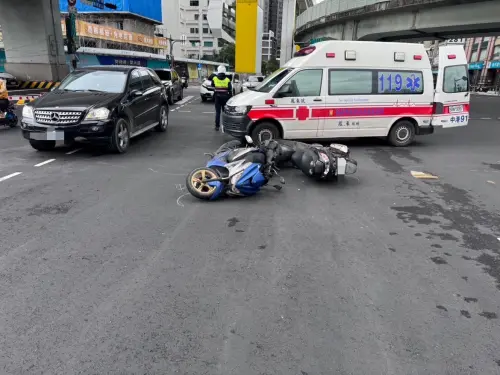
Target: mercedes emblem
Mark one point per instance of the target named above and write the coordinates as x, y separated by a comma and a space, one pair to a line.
54, 117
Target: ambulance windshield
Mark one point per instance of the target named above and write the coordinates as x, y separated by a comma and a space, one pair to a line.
275, 78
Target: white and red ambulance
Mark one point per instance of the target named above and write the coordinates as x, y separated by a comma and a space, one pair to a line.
345, 89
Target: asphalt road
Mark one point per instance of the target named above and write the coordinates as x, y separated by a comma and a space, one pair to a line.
107, 266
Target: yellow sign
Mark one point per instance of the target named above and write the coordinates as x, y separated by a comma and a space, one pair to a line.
246, 36
90, 30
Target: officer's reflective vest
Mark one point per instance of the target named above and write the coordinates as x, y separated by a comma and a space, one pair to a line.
221, 85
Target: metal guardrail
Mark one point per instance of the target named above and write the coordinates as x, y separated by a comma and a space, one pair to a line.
333, 10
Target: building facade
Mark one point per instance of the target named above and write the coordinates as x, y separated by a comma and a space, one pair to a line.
131, 26
269, 46
200, 27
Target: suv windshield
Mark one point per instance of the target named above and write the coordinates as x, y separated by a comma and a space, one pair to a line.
164, 75
95, 80
273, 80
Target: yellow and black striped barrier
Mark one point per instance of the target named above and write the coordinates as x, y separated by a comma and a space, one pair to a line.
22, 99
38, 84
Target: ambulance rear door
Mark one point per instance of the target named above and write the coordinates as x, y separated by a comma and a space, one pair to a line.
451, 95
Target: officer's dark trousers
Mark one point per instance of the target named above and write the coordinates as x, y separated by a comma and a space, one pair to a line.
220, 102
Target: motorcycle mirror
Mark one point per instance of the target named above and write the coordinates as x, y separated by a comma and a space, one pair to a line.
248, 139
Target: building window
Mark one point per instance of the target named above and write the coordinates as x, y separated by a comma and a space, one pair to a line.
196, 16
205, 30
208, 44
193, 30
119, 25
496, 53
204, 17
194, 3
484, 54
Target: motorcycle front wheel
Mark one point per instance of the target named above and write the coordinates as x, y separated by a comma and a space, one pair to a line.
199, 188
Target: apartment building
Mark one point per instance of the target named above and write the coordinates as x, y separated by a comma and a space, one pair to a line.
203, 26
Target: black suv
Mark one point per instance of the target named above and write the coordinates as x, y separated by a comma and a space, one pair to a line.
105, 104
174, 85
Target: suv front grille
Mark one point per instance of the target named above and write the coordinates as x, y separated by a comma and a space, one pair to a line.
57, 117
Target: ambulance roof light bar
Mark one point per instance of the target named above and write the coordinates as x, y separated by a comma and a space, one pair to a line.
304, 51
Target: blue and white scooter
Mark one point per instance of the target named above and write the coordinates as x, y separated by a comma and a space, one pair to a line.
235, 171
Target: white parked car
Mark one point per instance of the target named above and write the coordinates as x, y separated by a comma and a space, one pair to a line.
252, 82
207, 91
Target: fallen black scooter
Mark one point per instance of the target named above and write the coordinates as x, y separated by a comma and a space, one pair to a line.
314, 160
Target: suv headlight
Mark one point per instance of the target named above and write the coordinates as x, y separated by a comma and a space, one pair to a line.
98, 114
237, 109
28, 111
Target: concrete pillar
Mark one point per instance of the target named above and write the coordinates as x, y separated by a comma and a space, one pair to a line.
350, 30
287, 31
33, 39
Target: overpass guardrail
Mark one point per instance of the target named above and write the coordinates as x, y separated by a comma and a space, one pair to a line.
333, 10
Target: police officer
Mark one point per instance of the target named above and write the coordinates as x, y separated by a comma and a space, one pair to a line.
223, 91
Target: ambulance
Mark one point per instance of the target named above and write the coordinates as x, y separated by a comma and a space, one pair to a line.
351, 89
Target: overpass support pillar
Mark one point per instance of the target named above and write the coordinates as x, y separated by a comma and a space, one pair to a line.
287, 31
350, 30
33, 39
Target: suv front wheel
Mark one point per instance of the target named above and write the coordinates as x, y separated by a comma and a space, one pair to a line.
120, 138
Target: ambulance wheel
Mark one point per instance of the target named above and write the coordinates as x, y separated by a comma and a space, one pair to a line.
264, 132
402, 133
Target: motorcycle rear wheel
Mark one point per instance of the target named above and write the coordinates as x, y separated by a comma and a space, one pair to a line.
196, 185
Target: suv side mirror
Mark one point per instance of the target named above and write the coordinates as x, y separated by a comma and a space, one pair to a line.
135, 93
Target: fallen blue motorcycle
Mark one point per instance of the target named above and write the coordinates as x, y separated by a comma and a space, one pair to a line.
235, 171
9, 117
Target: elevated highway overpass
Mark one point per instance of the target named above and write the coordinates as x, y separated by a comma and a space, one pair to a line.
394, 20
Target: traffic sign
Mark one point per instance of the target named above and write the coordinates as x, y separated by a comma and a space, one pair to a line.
199, 66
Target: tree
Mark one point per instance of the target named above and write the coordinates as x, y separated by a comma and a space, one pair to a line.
227, 54
263, 67
272, 65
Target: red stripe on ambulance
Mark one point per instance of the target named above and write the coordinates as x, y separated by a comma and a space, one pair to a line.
276, 113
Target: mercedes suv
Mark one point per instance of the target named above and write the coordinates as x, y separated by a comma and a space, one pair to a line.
106, 105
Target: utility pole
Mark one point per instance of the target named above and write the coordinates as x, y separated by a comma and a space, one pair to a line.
71, 32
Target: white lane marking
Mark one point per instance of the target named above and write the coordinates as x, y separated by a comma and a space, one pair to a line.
209, 112
184, 111
74, 151
485, 118
185, 100
44, 162
10, 176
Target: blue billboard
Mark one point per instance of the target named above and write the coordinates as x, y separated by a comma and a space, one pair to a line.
145, 8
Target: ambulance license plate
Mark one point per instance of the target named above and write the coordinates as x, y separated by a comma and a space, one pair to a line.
456, 108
